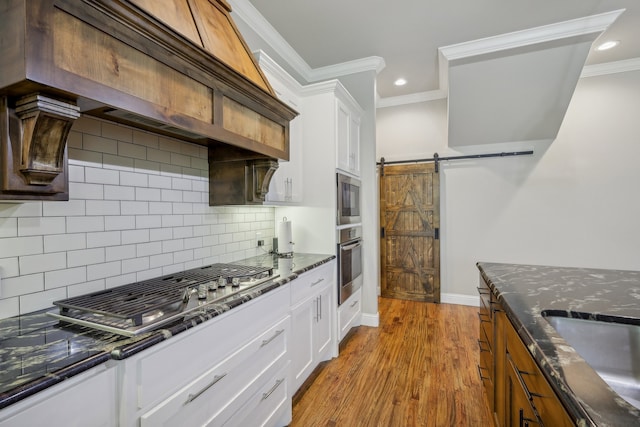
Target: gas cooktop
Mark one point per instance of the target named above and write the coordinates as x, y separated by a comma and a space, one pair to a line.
144, 306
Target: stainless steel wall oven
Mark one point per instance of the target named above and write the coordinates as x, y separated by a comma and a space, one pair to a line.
349, 262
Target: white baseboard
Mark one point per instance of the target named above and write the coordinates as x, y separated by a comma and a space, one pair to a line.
460, 299
370, 319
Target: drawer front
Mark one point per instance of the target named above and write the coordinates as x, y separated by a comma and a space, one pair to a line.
215, 391
268, 405
348, 312
166, 368
310, 282
543, 398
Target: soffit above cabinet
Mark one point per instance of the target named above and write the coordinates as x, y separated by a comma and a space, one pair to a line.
516, 87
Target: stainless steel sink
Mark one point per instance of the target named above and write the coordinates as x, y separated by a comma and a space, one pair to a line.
611, 349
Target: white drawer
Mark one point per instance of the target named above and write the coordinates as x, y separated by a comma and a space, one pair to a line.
170, 366
308, 283
266, 407
213, 394
349, 313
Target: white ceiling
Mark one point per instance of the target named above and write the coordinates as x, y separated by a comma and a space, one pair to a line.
406, 34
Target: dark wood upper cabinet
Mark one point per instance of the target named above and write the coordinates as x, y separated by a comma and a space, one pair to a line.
178, 68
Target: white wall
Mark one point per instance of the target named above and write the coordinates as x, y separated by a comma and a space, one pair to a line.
574, 202
138, 209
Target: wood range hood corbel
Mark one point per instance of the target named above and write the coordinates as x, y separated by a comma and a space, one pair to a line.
176, 67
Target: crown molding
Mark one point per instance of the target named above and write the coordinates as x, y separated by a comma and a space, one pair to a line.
623, 66
246, 12
593, 24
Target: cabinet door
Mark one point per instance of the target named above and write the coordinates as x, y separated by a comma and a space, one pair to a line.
322, 325
342, 136
302, 352
520, 413
354, 144
88, 399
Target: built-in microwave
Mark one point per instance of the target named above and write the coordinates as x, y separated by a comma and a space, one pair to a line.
348, 200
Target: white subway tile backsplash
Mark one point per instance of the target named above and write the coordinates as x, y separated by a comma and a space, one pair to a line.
65, 242
40, 300
103, 207
19, 246
103, 238
79, 157
158, 156
132, 150
70, 208
134, 208
9, 267
114, 253
22, 285
160, 260
123, 222
158, 234
16, 210
171, 195
101, 176
146, 249
145, 138
65, 277
110, 161
99, 144
40, 226
101, 271
30, 264
135, 236
114, 131
148, 221
80, 190
138, 210
79, 224
148, 194
8, 227
114, 192
85, 257
134, 265
85, 288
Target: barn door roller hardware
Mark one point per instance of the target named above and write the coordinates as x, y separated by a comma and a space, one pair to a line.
437, 159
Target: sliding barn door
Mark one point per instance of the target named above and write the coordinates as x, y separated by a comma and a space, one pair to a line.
410, 221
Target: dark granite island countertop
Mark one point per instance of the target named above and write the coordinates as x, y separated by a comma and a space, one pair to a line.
37, 351
526, 291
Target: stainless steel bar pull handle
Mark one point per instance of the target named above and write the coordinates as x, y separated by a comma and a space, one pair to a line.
317, 281
193, 397
272, 389
354, 303
267, 341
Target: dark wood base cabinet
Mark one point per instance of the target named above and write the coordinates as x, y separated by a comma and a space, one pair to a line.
517, 392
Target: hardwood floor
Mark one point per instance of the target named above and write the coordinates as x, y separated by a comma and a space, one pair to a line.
418, 368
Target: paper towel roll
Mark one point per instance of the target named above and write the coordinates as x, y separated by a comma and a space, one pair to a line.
285, 239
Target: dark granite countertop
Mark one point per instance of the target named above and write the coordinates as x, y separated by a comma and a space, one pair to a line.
37, 351
529, 291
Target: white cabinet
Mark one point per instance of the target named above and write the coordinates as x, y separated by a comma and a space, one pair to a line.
347, 137
350, 313
312, 311
286, 185
205, 376
87, 399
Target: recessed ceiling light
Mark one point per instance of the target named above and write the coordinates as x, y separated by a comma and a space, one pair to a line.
608, 45
400, 82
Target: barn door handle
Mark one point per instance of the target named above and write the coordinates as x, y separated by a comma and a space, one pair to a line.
436, 233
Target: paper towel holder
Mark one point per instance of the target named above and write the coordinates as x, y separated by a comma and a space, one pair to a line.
288, 245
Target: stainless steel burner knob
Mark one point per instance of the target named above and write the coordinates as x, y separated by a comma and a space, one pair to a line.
213, 286
202, 291
235, 282
222, 282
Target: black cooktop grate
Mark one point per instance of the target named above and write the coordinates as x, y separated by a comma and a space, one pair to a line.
132, 301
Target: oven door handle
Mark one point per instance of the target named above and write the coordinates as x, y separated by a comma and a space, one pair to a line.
351, 246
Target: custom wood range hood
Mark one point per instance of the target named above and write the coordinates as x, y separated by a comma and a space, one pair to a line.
175, 67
